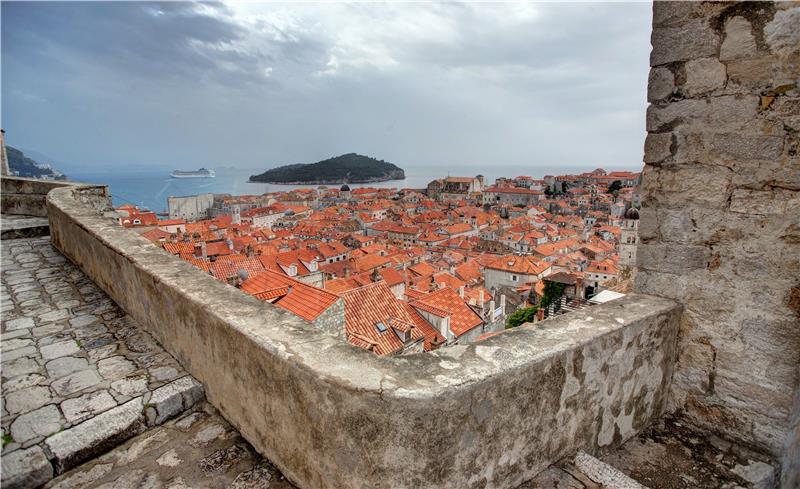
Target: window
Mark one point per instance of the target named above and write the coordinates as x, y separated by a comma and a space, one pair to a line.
380, 327
513, 278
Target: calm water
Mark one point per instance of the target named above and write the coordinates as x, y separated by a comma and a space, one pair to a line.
150, 188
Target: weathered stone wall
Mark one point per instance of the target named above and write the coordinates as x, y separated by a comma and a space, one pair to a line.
332, 319
26, 196
329, 414
720, 227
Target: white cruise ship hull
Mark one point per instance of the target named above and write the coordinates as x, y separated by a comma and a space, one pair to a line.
205, 174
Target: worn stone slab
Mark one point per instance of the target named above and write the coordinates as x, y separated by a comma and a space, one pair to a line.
20, 323
76, 382
23, 382
130, 386
162, 458
604, 474
24, 469
27, 351
64, 366
79, 408
115, 367
60, 349
20, 366
95, 436
41, 422
25, 400
172, 399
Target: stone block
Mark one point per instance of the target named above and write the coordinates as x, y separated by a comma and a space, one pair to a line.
782, 34
81, 321
76, 382
754, 73
95, 436
42, 422
19, 323
660, 84
671, 258
27, 351
87, 405
20, 366
739, 40
680, 185
24, 469
704, 75
765, 202
657, 147
56, 315
694, 39
741, 146
60, 349
64, 366
117, 367
25, 400
730, 112
172, 399
604, 474
15, 343
23, 382
130, 386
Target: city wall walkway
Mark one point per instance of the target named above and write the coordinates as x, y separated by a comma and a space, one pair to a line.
91, 399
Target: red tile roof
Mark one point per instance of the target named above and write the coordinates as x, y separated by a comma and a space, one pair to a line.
462, 317
227, 267
367, 306
304, 300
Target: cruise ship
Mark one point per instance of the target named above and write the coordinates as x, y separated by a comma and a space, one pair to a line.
201, 173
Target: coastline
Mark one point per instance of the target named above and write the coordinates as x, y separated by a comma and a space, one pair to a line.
331, 182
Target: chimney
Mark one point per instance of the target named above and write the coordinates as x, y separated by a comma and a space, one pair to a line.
229, 242
480, 298
503, 304
200, 250
491, 310
347, 271
461, 291
241, 277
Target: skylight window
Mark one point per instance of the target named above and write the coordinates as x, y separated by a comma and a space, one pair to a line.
380, 327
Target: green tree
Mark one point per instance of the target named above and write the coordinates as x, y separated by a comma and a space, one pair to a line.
521, 316
552, 294
614, 187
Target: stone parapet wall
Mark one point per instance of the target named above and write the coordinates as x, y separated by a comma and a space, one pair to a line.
329, 414
720, 219
26, 196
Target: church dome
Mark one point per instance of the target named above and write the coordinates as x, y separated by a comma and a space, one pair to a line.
345, 188
632, 214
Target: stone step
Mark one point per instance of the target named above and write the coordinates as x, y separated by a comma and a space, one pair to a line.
17, 227
69, 448
603, 473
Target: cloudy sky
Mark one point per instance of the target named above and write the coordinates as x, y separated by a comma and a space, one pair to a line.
113, 85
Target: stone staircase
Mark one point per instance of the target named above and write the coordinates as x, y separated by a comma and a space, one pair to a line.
79, 376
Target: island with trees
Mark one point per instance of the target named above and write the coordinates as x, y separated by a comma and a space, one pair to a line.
348, 168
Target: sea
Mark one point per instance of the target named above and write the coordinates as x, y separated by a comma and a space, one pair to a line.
150, 188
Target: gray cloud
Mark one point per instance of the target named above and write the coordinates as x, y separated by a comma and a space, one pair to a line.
254, 85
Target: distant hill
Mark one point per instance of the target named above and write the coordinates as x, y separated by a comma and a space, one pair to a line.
349, 168
22, 166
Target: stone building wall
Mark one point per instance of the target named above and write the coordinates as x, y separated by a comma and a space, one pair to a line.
332, 320
720, 226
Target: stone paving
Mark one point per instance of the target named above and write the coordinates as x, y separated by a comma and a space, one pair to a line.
78, 375
197, 450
